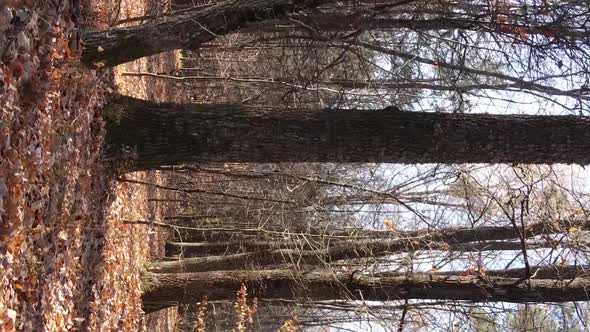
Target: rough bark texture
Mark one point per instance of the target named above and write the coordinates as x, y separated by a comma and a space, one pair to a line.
187, 30
168, 134
162, 290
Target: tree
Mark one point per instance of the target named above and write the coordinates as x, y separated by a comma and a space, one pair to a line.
334, 69
189, 29
162, 290
335, 245
192, 28
370, 252
171, 134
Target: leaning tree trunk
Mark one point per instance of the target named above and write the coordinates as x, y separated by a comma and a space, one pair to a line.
164, 290
186, 30
171, 134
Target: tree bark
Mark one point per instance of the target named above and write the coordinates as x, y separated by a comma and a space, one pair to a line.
476, 239
191, 28
169, 134
556, 272
334, 252
447, 235
198, 249
334, 22
188, 29
193, 249
313, 257
163, 290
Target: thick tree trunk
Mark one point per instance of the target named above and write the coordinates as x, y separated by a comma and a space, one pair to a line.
190, 29
168, 134
163, 290
186, 30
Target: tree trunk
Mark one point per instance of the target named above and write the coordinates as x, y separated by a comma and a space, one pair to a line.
194, 249
475, 239
335, 252
186, 30
537, 272
446, 235
335, 22
227, 249
172, 134
163, 290
192, 28
315, 257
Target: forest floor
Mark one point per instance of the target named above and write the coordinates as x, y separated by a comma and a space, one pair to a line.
68, 260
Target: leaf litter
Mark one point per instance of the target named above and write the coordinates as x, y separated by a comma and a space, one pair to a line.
67, 262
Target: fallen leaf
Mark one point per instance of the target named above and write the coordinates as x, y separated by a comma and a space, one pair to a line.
62, 235
7, 319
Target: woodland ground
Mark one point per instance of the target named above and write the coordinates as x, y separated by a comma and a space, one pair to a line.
68, 261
